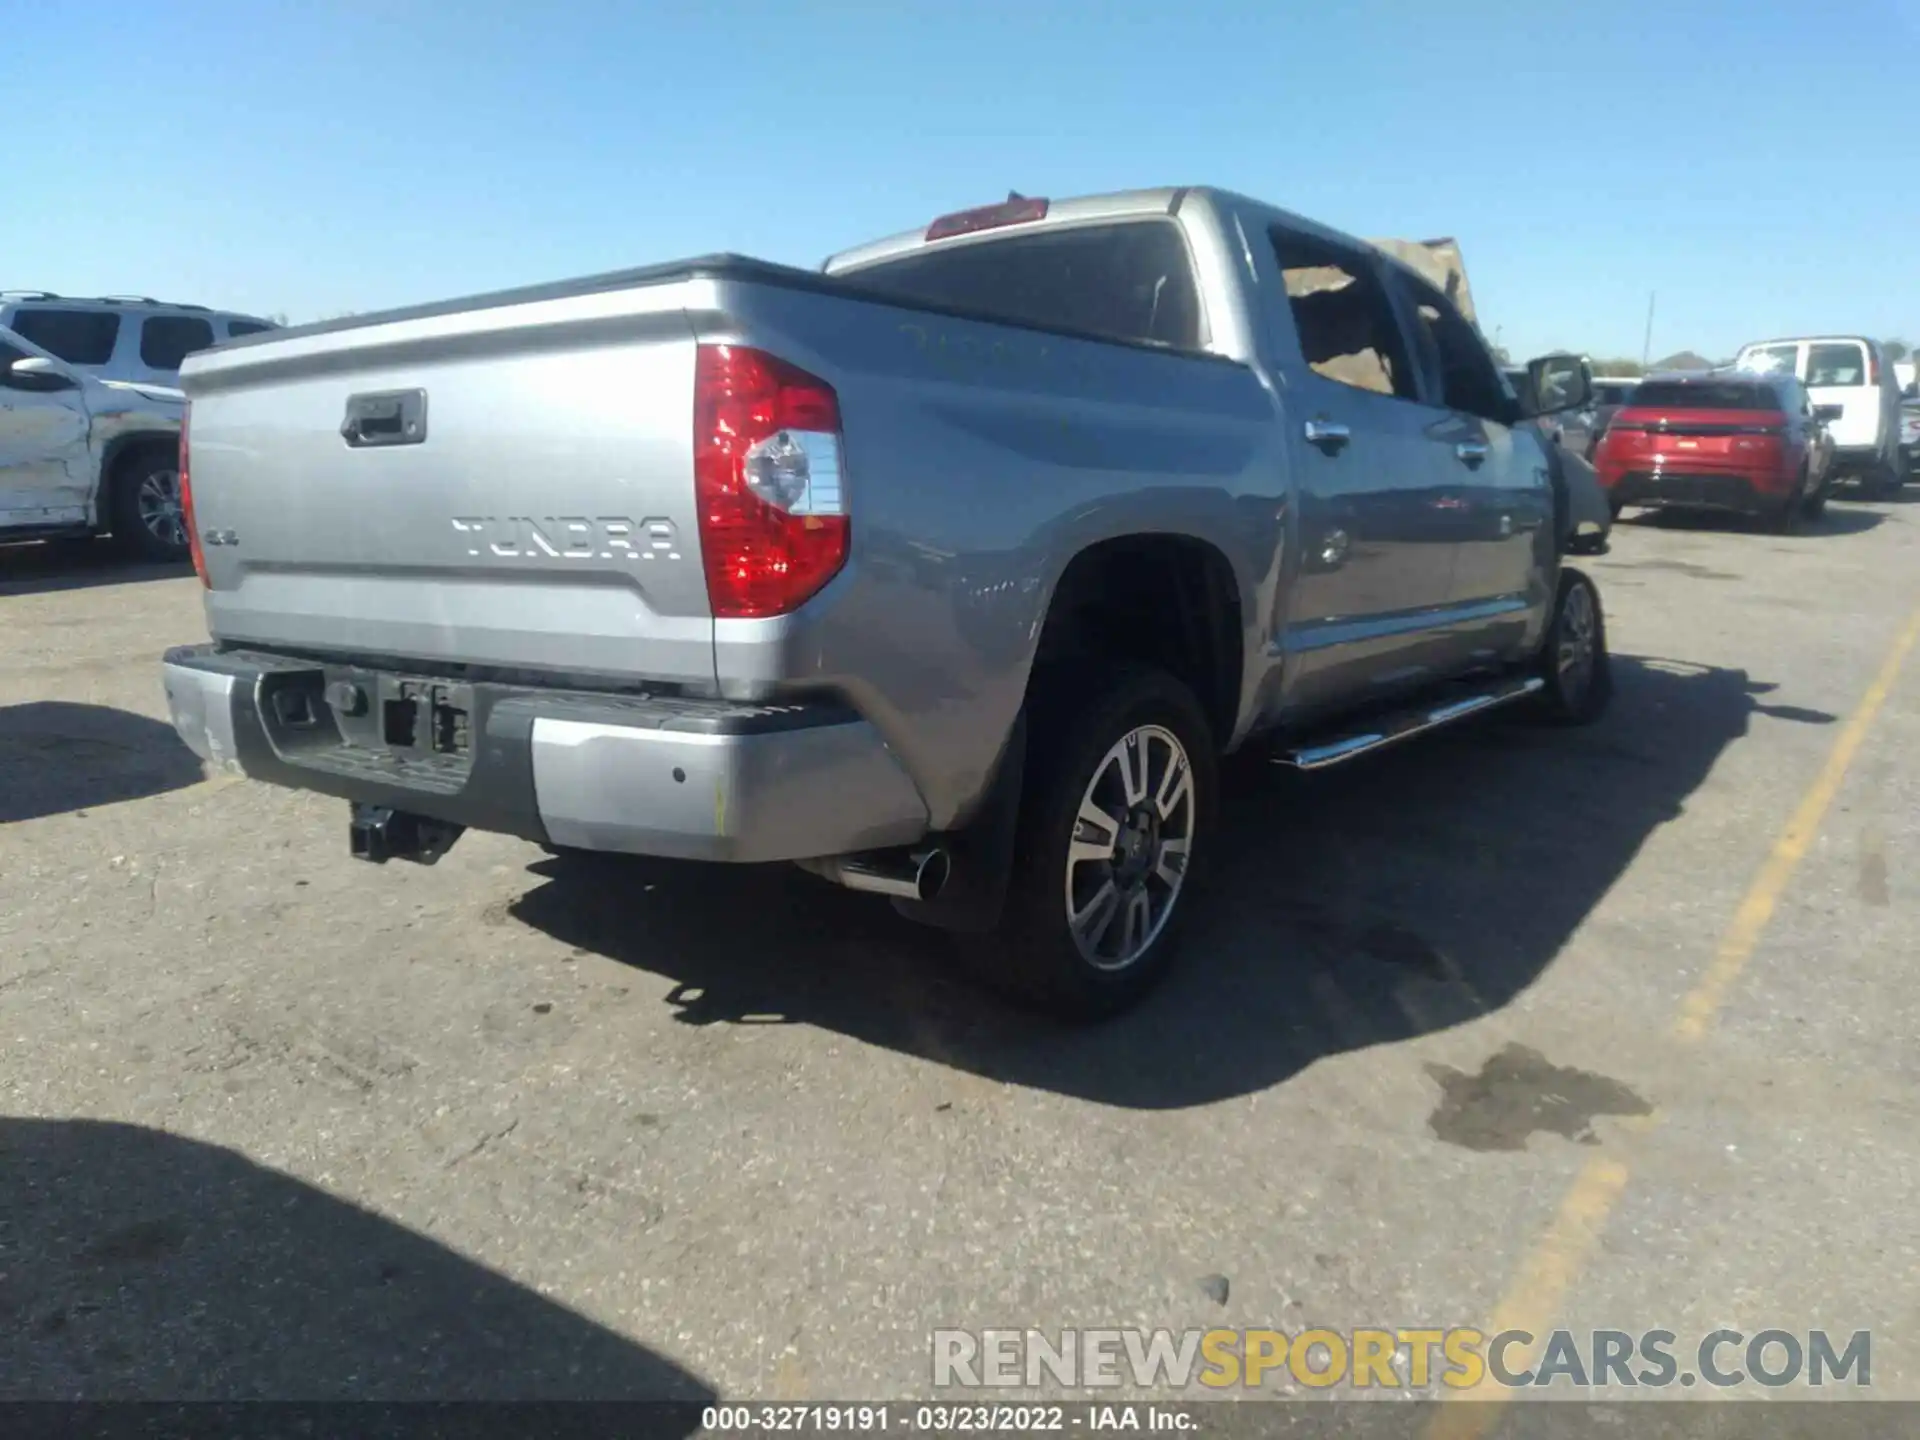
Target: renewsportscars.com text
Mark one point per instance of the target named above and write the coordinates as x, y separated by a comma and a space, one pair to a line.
1457, 1359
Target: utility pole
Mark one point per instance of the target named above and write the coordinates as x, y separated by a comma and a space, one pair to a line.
1646, 346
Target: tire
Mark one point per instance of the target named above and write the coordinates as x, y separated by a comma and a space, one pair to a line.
145, 508
1883, 480
1575, 693
1814, 502
1087, 731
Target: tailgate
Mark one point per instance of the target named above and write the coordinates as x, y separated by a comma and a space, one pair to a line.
506, 486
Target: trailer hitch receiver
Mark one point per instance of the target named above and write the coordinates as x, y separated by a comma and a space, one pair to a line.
378, 833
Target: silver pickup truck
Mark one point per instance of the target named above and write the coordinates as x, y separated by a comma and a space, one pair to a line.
947, 572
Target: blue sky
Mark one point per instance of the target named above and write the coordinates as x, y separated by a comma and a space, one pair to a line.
1753, 163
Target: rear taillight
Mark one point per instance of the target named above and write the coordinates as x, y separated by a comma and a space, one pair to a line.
1873, 368
186, 503
766, 466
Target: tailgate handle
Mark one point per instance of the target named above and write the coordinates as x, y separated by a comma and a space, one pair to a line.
389, 417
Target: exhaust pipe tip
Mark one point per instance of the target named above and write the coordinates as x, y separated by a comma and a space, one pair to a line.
900, 874
931, 873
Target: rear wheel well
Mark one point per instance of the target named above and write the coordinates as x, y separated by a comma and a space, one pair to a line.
1168, 601
117, 465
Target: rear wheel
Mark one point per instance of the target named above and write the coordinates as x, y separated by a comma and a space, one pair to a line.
1884, 478
1813, 503
1118, 810
1574, 662
146, 514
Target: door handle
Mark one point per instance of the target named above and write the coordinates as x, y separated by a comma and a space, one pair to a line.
1329, 435
1470, 453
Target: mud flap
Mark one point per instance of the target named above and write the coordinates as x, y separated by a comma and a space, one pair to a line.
982, 852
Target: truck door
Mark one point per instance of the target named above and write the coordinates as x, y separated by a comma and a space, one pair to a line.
46, 466
1375, 545
1497, 477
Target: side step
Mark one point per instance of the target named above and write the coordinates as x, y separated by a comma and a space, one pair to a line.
1394, 726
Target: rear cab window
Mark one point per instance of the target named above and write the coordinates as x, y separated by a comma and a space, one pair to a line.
166, 340
1129, 280
1343, 318
1836, 363
79, 337
1705, 395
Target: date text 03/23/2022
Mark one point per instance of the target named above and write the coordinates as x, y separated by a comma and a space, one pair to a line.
945, 1418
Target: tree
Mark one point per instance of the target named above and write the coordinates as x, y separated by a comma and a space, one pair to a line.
1896, 349
1501, 357
1623, 368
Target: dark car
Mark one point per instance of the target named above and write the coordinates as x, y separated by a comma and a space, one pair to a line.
1743, 442
1610, 393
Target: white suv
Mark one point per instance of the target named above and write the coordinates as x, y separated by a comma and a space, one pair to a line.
121, 337
1854, 373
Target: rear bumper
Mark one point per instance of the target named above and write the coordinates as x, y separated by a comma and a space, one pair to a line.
692, 779
1705, 489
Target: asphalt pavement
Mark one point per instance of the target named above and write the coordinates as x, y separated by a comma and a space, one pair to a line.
276, 1123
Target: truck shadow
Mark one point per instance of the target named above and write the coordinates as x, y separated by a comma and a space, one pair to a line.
1354, 907
56, 756
142, 1265
46, 566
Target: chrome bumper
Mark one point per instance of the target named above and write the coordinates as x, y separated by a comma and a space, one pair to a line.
696, 780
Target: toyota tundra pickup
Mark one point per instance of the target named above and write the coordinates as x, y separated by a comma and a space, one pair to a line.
948, 571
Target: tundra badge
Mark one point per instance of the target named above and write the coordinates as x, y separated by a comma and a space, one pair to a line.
569, 537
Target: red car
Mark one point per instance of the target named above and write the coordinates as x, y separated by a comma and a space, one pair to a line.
1742, 442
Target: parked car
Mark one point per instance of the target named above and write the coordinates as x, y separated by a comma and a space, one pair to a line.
1733, 440
79, 455
947, 572
121, 337
1910, 426
1854, 374
1610, 392
1576, 487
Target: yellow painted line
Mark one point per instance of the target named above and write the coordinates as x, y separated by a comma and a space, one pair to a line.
1750, 920
1549, 1269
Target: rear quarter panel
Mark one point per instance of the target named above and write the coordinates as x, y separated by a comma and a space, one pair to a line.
979, 460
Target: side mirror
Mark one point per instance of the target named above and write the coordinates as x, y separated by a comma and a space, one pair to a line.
1827, 414
37, 374
1560, 382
